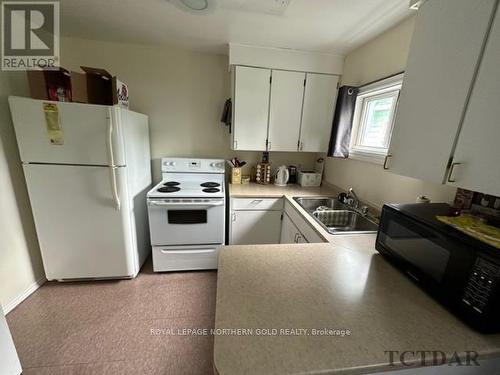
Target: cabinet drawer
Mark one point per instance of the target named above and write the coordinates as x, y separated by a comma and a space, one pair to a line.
269, 204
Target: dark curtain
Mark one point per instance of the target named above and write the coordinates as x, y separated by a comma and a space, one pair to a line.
342, 122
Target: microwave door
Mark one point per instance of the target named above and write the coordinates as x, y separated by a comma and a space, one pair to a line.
418, 248
423, 252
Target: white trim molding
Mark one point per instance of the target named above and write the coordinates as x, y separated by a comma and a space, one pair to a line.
25, 294
285, 59
368, 157
389, 87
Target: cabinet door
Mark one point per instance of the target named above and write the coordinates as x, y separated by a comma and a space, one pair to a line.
444, 53
289, 231
478, 147
255, 227
317, 114
287, 92
301, 238
251, 108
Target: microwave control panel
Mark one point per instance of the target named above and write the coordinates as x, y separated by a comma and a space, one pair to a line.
481, 284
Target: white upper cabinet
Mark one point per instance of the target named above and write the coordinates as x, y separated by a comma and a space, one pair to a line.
477, 155
250, 108
445, 50
287, 92
283, 110
317, 114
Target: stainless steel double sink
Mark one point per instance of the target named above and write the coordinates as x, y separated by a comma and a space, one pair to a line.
336, 217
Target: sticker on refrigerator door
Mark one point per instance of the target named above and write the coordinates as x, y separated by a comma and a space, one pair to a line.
53, 123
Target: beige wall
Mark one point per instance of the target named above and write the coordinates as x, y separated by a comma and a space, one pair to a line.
20, 263
381, 57
183, 92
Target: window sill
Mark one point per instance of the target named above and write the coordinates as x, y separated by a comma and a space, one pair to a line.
368, 157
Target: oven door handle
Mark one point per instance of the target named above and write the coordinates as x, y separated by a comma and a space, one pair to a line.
194, 251
186, 204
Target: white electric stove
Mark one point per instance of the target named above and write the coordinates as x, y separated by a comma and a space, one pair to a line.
187, 214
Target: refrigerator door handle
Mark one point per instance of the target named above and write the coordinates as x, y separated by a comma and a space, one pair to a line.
111, 164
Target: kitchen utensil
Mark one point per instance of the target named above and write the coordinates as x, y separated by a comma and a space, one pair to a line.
235, 175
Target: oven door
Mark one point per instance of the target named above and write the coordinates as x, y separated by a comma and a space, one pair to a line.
186, 221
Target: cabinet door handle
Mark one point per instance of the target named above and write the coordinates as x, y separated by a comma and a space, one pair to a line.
295, 239
452, 168
233, 216
268, 145
385, 161
235, 144
299, 237
301, 146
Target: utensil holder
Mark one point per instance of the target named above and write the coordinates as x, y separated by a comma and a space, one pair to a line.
236, 175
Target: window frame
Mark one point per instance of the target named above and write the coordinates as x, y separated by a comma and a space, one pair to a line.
389, 87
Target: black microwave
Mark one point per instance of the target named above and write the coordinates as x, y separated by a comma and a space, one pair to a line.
460, 272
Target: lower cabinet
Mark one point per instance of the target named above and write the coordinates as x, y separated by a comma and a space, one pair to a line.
298, 224
289, 232
255, 221
268, 221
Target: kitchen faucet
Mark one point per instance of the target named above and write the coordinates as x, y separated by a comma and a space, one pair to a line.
352, 195
354, 202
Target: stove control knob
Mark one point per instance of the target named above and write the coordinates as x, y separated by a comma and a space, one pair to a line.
215, 165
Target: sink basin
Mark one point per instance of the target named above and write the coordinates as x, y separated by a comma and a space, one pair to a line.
336, 217
312, 204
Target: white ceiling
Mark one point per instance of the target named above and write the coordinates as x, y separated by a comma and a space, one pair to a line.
335, 26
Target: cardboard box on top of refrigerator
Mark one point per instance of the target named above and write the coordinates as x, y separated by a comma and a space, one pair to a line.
95, 86
59, 85
103, 88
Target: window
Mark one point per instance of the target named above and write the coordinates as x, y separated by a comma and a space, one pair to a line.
374, 118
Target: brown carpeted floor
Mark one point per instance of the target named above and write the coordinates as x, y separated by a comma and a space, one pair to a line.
104, 327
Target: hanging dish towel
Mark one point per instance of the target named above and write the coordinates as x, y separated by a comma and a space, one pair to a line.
227, 113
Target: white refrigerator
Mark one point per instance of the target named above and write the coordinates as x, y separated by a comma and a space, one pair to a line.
87, 169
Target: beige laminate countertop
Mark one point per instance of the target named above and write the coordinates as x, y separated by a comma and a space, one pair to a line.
343, 284
316, 286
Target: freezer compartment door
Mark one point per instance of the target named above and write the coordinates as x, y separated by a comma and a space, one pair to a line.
81, 232
89, 134
183, 258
